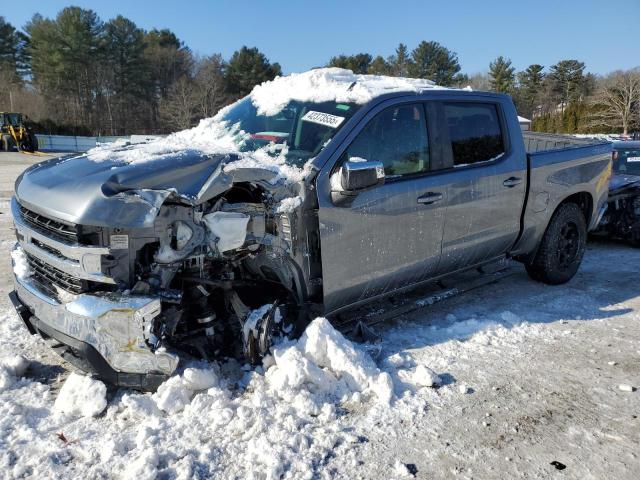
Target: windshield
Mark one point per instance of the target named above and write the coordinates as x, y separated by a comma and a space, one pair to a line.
299, 130
14, 119
627, 162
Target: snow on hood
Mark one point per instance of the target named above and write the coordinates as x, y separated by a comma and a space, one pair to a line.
330, 85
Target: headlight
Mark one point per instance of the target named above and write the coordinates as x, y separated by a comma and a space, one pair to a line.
182, 233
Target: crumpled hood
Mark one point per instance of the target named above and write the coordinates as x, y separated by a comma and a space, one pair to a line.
117, 194
621, 181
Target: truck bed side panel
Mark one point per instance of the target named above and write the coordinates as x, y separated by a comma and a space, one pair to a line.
555, 175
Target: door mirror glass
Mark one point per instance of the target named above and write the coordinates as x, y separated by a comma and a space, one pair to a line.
361, 174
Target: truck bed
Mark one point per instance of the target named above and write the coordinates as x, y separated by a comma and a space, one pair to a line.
539, 142
559, 166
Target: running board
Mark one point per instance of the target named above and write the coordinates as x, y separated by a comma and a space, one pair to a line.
357, 324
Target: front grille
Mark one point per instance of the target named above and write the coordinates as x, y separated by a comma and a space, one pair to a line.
55, 228
48, 278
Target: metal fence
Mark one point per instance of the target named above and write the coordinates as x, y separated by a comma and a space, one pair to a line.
63, 143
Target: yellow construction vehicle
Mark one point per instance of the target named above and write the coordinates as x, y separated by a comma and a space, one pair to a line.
15, 134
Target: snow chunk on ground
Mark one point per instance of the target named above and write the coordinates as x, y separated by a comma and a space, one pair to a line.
81, 395
330, 85
11, 368
330, 363
173, 395
423, 376
200, 378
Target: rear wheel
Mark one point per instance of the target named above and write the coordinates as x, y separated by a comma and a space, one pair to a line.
562, 247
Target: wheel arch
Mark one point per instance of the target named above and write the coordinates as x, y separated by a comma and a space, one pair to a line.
583, 199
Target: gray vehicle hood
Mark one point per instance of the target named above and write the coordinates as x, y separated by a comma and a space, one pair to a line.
622, 181
126, 195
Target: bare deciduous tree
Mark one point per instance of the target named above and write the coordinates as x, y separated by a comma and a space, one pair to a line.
179, 107
617, 101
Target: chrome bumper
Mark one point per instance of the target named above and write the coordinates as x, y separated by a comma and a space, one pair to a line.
116, 326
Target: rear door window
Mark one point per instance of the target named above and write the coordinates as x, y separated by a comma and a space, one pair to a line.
397, 137
475, 132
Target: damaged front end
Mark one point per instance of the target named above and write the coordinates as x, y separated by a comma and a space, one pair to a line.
211, 272
622, 218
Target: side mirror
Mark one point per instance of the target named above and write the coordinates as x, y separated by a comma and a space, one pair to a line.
361, 175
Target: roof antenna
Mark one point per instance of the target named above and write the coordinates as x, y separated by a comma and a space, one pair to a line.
353, 84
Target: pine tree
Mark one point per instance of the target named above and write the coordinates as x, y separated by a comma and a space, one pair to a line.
358, 63
65, 57
12, 52
568, 81
379, 66
400, 62
435, 62
530, 88
247, 68
126, 76
502, 75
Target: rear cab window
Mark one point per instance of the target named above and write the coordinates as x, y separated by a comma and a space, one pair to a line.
474, 131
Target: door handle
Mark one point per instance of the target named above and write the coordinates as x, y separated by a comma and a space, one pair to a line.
429, 198
512, 182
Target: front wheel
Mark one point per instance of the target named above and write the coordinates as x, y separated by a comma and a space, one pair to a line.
6, 143
562, 247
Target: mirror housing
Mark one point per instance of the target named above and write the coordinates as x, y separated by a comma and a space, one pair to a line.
360, 175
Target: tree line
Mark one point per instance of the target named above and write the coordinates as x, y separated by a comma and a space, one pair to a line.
77, 74
563, 98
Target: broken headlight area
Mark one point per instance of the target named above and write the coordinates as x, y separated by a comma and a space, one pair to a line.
224, 275
622, 217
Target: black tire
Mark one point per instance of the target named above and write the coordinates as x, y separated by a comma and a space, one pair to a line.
6, 143
562, 247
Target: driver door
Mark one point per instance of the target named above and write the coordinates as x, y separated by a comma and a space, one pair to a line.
386, 237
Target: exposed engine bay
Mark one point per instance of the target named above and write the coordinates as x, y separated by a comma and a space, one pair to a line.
622, 217
224, 273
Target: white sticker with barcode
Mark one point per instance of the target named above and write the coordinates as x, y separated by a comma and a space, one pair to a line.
325, 119
119, 242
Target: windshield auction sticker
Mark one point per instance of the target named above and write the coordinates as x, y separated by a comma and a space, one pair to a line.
325, 119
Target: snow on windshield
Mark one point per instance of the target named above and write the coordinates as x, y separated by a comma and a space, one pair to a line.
215, 136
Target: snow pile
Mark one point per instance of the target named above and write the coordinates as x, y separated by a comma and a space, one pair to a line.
81, 396
209, 137
176, 393
11, 368
215, 136
330, 85
324, 362
271, 158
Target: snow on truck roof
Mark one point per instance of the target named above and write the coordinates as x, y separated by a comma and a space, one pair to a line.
330, 84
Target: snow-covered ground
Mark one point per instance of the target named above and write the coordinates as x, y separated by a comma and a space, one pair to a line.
498, 383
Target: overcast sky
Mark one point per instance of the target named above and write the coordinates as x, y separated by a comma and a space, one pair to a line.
304, 34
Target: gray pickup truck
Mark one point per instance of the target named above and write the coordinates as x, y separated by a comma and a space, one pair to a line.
129, 263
